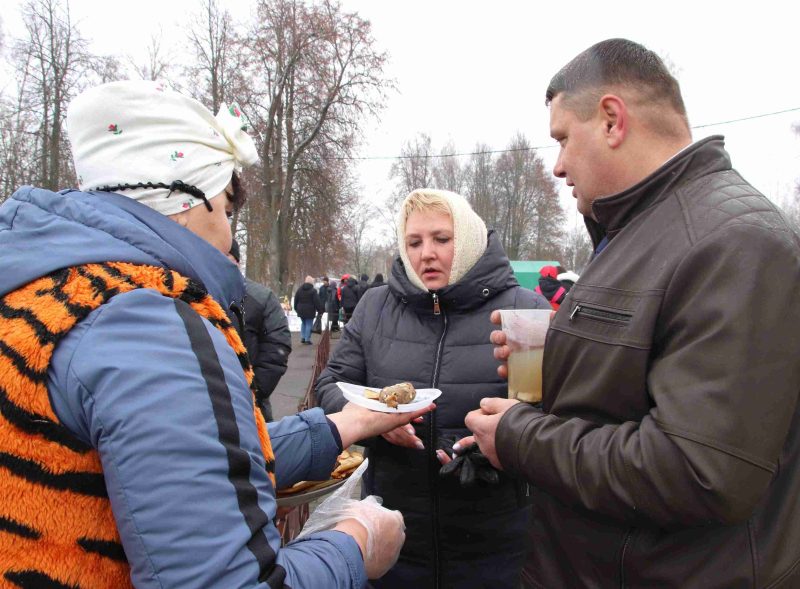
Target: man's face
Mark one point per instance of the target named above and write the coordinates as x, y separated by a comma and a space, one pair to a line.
584, 155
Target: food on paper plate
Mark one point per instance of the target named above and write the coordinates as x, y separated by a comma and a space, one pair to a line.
397, 394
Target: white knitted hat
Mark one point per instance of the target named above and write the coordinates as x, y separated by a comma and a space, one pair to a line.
143, 132
469, 235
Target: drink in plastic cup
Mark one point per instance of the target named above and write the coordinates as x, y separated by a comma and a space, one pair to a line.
525, 331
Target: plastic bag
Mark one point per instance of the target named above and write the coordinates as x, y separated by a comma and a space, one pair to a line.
336, 506
385, 528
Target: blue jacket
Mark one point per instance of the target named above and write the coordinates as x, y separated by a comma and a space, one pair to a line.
127, 381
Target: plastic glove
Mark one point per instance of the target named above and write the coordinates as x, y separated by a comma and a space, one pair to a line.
385, 528
468, 466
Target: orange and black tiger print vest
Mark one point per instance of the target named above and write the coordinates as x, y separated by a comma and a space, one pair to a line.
56, 524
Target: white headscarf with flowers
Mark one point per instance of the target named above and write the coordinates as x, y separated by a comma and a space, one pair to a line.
143, 132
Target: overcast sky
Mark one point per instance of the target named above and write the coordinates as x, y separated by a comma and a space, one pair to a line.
471, 71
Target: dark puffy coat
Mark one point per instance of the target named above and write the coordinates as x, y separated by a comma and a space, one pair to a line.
349, 294
332, 305
363, 286
550, 287
306, 301
377, 282
455, 537
267, 339
324, 292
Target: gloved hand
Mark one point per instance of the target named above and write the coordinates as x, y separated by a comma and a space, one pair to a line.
385, 534
385, 530
468, 466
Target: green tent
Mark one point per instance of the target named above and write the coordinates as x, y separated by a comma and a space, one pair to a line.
527, 271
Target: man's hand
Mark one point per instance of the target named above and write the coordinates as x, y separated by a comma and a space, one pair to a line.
501, 350
359, 423
483, 424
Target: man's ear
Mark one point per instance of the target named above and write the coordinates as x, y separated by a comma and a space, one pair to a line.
616, 119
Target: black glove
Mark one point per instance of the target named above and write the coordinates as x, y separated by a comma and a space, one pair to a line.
468, 466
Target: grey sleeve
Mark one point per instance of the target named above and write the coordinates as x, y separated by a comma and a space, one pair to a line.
347, 364
274, 346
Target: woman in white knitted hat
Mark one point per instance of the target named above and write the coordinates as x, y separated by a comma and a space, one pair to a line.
430, 326
132, 453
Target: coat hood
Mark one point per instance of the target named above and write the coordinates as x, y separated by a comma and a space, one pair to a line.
490, 275
42, 231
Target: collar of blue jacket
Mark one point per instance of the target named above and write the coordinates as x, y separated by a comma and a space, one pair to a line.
42, 231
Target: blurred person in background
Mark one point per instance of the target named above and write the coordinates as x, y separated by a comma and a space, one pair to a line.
306, 305
348, 289
378, 281
549, 286
266, 336
332, 306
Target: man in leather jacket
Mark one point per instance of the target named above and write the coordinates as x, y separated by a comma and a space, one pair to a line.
665, 452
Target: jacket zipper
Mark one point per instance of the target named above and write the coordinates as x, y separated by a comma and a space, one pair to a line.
581, 309
622, 559
432, 451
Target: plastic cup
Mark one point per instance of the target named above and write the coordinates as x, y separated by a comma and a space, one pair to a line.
525, 331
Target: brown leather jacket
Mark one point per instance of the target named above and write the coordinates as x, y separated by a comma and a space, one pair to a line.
666, 453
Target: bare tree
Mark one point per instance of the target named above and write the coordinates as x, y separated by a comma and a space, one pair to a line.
314, 75
447, 171
412, 170
157, 64
52, 63
480, 190
529, 217
576, 249
360, 239
218, 50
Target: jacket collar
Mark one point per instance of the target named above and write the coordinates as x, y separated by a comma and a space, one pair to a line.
490, 275
189, 254
614, 212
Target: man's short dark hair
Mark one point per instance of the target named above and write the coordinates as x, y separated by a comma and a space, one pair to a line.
615, 62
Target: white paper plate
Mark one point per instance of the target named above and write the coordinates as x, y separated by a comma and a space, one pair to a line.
355, 394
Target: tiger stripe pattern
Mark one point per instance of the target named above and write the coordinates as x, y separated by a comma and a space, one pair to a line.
74, 541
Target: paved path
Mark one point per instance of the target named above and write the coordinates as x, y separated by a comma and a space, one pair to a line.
291, 388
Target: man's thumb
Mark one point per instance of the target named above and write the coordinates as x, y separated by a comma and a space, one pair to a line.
491, 405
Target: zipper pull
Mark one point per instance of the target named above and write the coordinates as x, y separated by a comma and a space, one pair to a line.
437, 310
574, 311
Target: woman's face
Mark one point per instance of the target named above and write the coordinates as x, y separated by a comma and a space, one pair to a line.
213, 226
429, 245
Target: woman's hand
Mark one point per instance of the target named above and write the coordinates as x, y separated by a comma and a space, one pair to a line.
405, 436
458, 447
501, 350
357, 423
